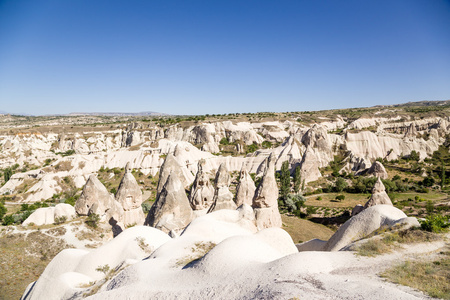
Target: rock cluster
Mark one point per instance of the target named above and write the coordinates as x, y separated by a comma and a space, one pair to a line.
379, 195
202, 192
129, 196
223, 198
171, 211
265, 200
245, 190
94, 198
377, 169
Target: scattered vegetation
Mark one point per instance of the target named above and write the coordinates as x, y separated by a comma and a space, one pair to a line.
431, 277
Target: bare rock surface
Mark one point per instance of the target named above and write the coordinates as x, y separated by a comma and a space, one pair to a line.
223, 198
245, 190
170, 165
265, 201
379, 195
377, 169
171, 210
94, 192
202, 192
363, 224
48, 215
129, 194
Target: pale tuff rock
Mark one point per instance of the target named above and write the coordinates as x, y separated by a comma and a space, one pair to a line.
129, 195
411, 131
202, 192
363, 224
377, 169
356, 164
265, 201
309, 166
357, 209
317, 138
245, 190
290, 151
266, 194
48, 215
223, 198
171, 210
169, 166
94, 192
379, 195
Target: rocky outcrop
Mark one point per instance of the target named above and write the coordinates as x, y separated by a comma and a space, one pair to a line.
169, 166
377, 169
129, 195
317, 139
309, 166
356, 164
171, 210
202, 192
50, 215
411, 131
379, 195
223, 198
265, 201
245, 190
94, 193
363, 224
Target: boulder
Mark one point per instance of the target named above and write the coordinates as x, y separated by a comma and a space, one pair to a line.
48, 215
364, 224
245, 190
202, 192
94, 192
265, 201
377, 169
223, 198
171, 210
357, 209
379, 195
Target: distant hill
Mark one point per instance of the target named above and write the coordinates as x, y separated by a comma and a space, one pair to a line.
118, 114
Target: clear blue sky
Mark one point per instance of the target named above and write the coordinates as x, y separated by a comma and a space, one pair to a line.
199, 57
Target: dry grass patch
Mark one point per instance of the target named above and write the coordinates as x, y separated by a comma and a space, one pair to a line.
302, 230
22, 260
199, 250
431, 277
389, 241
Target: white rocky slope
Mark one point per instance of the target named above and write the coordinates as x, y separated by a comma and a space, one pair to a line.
149, 145
221, 256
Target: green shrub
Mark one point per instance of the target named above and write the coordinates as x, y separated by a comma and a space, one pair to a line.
92, 220
146, 207
340, 197
435, 223
3, 211
8, 220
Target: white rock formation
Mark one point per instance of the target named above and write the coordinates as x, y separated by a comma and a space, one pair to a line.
377, 169
94, 192
202, 192
48, 215
265, 200
379, 195
245, 190
223, 198
129, 195
171, 210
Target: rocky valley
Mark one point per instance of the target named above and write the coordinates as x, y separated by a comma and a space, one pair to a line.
298, 205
